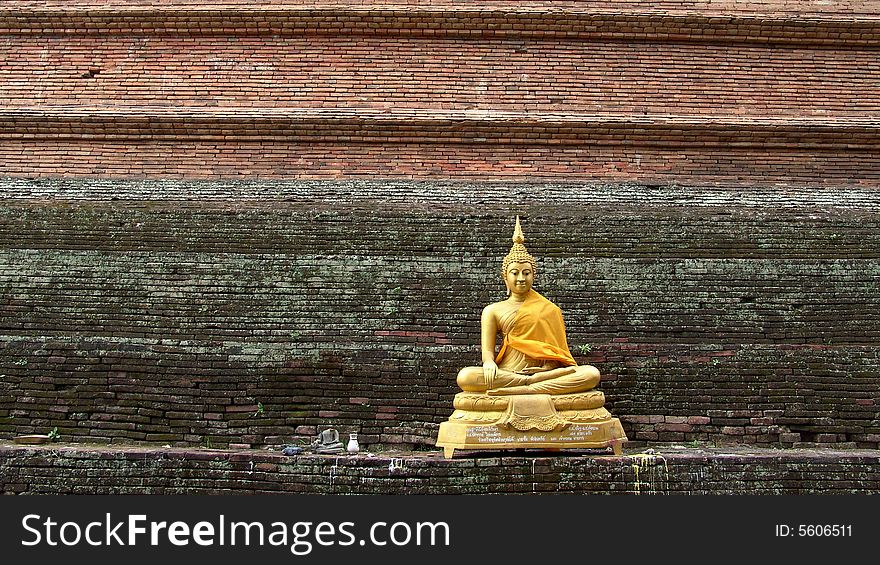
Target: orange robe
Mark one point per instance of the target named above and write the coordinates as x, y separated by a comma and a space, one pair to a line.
538, 332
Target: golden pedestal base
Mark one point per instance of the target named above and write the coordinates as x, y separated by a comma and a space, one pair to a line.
466, 435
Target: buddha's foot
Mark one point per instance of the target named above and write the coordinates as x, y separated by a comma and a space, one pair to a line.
510, 390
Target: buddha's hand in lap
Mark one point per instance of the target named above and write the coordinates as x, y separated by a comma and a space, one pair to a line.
490, 369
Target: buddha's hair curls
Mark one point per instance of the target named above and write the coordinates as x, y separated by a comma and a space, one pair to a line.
518, 252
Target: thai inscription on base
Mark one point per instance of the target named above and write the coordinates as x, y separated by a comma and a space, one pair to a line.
488, 435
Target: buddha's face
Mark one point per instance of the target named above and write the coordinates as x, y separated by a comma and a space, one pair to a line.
519, 278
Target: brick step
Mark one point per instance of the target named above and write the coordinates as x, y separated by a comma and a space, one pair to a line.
839, 23
692, 92
405, 72
169, 312
440, 126
69, 468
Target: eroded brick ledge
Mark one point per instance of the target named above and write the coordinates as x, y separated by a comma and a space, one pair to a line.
676, 469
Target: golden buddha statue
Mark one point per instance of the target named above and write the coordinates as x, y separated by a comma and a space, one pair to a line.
531, 392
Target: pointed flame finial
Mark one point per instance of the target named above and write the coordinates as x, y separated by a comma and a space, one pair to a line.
518, 235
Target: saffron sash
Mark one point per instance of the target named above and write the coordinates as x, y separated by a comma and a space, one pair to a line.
539, 332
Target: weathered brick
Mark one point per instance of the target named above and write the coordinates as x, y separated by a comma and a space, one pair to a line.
324, 249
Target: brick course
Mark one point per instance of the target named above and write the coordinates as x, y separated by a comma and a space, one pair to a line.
763, 23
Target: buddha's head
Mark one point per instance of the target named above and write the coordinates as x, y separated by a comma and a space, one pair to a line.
518, 268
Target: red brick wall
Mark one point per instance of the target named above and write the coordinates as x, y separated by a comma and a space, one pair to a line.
595, 92
535, 75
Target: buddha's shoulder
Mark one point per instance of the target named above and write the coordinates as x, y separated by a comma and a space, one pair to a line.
497, 308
